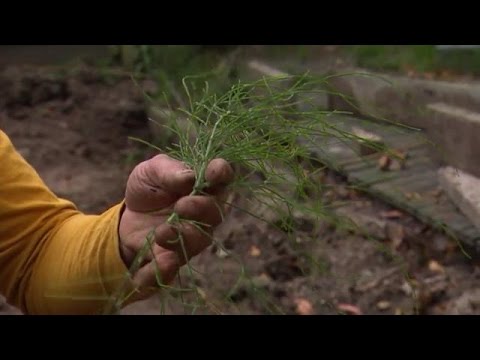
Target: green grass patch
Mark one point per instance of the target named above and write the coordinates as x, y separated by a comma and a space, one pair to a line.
419, 58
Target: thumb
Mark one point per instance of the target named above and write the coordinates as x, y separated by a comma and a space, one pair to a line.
157, 183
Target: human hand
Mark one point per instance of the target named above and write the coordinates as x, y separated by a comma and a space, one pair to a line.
155, 189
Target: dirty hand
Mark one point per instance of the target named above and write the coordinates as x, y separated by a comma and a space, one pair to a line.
156, 188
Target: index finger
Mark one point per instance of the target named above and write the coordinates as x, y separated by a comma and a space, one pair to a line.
219, 175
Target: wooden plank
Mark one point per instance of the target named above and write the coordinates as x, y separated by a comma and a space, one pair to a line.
411, 164
419, 176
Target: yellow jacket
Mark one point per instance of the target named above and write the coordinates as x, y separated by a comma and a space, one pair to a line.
53, 258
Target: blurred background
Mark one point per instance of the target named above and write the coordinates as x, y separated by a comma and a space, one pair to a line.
434, 59
72, 110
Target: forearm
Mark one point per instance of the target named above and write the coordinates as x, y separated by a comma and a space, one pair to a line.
53, 258
79, 270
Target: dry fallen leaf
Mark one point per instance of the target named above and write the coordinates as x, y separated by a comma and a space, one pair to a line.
329, 195
392, 214
445, 74
304, 307
384, 163
383, 305
409, 70
202, 293
412, 195
342, 191
407, 288
221, 253
396, 234
399, 159
349, 309
254, 251
400, 154
428, 75
434, 266
261, 281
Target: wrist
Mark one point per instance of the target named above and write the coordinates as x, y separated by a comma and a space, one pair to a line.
126, 254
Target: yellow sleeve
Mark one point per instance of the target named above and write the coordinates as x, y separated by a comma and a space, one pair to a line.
53, 258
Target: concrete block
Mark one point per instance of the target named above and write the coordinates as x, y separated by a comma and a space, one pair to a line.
464, 190
456, 132
397, 98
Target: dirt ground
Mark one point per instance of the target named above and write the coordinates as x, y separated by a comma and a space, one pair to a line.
74, 127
